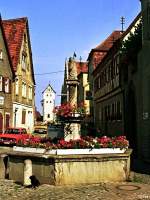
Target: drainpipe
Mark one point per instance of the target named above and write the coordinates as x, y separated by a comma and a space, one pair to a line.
16, 109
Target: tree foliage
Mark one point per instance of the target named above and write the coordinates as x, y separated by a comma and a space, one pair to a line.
133, 44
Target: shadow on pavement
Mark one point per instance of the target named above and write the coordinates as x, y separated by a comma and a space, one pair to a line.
140, 166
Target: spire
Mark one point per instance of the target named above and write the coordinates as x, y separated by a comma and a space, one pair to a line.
80, 58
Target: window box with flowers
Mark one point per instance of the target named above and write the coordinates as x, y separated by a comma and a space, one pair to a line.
102, 155
83, 146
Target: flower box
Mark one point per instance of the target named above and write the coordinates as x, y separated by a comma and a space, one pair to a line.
34, 150
89, 151
69, 151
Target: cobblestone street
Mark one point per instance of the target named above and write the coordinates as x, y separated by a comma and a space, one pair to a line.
110, 191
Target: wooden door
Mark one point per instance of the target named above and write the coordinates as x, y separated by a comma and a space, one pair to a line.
7, 120
1, 123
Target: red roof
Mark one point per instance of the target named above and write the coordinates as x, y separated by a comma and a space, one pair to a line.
37, 114
14, 31
108, 43
99, 52
97, 58
82, 67
6, 45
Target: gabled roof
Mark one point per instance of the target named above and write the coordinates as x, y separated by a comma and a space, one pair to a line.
82, 67
99, 52
14, 31
50, 87
102, 49
121, 35
108, 43
6, 46
115, 47
37, 114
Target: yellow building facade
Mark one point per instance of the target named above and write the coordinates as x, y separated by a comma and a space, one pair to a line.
24, 85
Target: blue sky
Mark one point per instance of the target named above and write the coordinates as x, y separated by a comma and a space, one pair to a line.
60, 27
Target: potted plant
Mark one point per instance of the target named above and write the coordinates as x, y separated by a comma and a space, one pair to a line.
68, 111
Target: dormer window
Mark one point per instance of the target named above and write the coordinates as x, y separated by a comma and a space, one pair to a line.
1, 54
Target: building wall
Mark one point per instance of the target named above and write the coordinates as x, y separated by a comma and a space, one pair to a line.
23, 94
118, 109
94, 59
110, 122
90, 80
5, 98
143, 91
82, 89
108, 96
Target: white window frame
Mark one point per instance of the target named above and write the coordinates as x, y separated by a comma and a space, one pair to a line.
30, 92
6, 85
17, 86
24, 89
1, 83
23, 61
1, 54
1, 100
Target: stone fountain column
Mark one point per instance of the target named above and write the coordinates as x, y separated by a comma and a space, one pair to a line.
73, 124
27, 171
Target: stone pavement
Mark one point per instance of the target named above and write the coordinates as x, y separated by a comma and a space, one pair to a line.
104, 191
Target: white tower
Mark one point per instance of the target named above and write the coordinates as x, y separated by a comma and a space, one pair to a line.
48, 104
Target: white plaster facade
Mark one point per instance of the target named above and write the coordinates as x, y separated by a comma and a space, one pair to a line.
29, 116
48, 104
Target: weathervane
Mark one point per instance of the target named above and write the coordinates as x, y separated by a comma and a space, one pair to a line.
74, 55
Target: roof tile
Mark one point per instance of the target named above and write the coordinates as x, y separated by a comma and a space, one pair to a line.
82, 67
108, 43
99, 52
14, 31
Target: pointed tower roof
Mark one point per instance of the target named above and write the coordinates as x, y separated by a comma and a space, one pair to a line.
47, 88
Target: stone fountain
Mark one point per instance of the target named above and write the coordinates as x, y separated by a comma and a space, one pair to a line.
72, 126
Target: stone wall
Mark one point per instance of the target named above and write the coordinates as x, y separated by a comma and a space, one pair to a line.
42, 168
71, 169
3, 166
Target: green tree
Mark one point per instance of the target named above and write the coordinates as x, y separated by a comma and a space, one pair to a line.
133, 44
